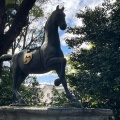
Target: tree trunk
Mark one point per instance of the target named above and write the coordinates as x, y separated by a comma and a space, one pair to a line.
2, 24
19, 22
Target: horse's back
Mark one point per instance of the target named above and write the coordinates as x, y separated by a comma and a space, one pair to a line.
36, 64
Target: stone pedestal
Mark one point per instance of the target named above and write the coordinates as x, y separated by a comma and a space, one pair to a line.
37, 113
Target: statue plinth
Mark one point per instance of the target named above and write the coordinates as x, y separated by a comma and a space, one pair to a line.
38, 113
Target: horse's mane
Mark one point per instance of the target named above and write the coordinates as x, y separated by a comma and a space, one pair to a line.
49, 18
46, 25
47, 22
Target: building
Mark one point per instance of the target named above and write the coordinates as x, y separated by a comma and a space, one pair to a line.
47, 91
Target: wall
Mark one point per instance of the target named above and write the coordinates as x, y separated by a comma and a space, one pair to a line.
35, 113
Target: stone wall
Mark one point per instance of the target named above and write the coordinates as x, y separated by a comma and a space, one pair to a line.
36, 113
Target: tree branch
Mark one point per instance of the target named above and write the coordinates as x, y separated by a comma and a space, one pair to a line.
2, 14
18, 23
2, 23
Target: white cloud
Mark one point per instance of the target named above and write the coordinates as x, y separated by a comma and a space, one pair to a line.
64, 36
85, 45
45, 74
91, 3
6, 63
71, 8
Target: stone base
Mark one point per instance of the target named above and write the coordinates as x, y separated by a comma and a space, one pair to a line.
37, 113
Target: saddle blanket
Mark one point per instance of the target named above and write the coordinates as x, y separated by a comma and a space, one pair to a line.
27, 58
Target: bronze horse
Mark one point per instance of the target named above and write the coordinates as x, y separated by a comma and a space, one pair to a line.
48, 57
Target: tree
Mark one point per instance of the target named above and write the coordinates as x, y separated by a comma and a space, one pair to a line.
5, 87
6, 39
97, 70
30, 93
16, 21
29, 35
58, 99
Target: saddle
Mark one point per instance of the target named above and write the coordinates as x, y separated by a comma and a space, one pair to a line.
29, 55
27, 58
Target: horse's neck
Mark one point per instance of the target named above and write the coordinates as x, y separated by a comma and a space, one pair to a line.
51, 35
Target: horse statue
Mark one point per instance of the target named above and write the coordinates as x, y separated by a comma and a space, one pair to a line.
48, 57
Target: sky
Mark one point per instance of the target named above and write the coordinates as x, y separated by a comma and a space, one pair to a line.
71, 8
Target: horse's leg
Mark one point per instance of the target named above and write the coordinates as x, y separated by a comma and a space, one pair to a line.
60, 69
74, 101
14, 88
14, 99
18, 78
57, 63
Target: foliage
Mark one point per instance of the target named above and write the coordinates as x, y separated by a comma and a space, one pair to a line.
97, 70
58, 99
31, 93
36, 11
28, 35
15, 18
5, 87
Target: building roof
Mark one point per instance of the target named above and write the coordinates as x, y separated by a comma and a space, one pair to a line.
51, 86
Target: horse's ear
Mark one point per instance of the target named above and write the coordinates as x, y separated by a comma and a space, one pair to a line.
63, 8
57, 7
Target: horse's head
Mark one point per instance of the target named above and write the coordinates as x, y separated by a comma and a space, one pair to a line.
59, 18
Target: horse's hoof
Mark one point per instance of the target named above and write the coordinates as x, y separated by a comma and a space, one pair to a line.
77, 105
74, 102
57, 82
22, 102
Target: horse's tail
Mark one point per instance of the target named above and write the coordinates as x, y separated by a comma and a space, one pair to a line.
5, 57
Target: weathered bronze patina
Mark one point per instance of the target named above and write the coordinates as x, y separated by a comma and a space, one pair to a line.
48, 57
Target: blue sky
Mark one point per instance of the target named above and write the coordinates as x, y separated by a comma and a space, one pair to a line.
71, 8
